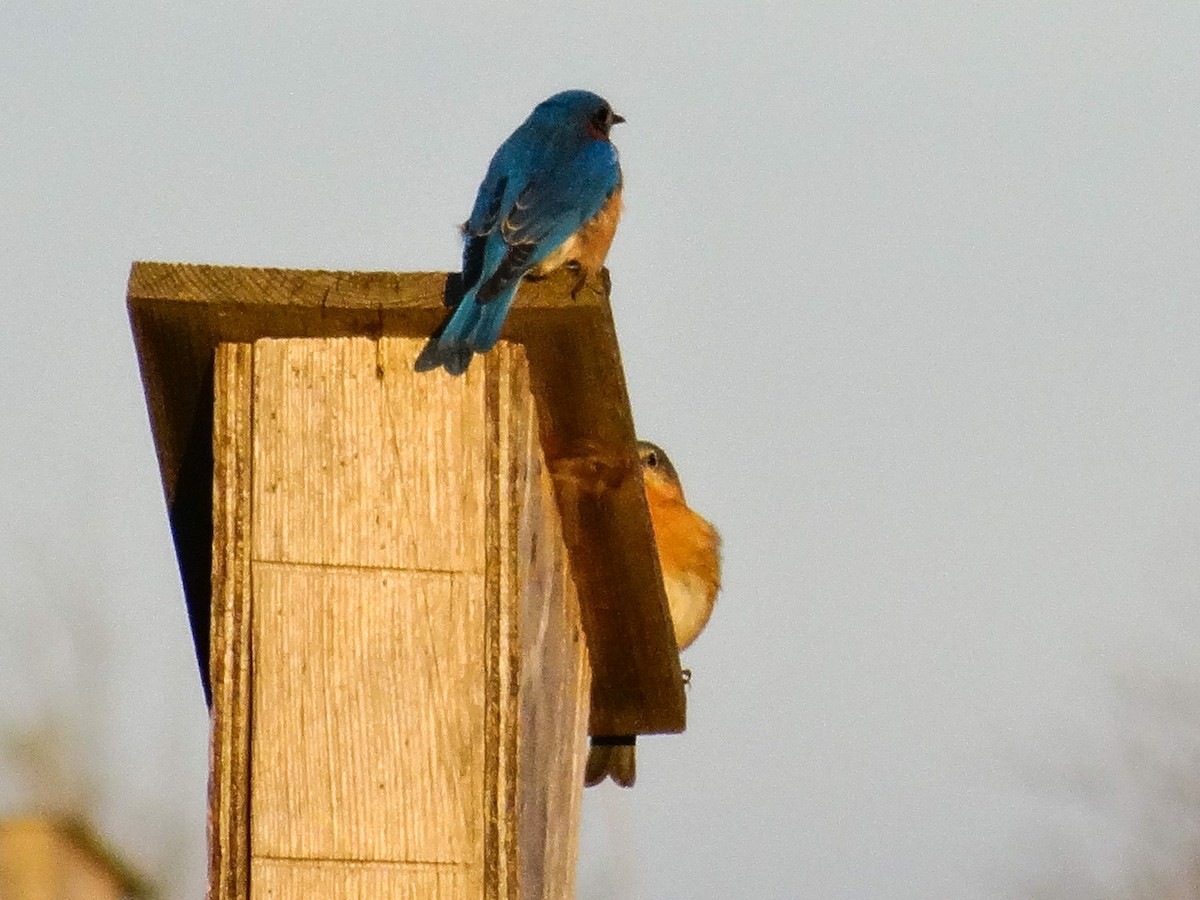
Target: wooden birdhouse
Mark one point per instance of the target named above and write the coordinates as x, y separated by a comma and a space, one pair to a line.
412, 595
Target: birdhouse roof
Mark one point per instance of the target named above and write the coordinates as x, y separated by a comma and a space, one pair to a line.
180, 313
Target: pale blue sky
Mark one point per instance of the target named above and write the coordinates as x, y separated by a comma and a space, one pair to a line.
908, 290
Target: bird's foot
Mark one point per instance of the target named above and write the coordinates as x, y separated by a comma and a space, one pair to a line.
581, 277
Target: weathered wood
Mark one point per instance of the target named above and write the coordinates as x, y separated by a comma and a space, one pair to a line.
369, 608
503, 664
417, 713
422, 464
368, 692
229, 748
180, 313
555, 676
539, 710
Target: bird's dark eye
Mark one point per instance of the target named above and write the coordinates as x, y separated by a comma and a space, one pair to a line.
652, 459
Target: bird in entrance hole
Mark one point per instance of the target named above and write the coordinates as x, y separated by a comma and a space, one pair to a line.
551, 197
689, 554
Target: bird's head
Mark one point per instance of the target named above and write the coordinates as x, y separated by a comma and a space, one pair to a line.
589, 111
658, 473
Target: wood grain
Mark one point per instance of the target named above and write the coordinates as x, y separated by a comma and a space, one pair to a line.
404, 493
417, 715
389, 719
503, 665
539, 708
229, 747
368, 699
554, 671
368, 559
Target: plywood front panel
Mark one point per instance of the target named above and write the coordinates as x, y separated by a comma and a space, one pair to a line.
368, 724
369, 497
360, 462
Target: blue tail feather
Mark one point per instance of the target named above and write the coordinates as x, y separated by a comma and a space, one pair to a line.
451, 350
462, 322
489, 319
473, 327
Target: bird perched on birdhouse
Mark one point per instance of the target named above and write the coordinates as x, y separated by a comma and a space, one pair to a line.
551, 197
689, 554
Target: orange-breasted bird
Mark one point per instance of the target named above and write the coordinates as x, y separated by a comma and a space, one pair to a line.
689, 554
551, 197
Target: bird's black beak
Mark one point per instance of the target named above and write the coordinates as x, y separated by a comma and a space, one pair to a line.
617, 119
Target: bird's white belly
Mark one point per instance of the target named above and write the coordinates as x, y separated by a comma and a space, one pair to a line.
689, 601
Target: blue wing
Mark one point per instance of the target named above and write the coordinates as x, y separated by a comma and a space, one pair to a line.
531, 200
551, 208
545, 213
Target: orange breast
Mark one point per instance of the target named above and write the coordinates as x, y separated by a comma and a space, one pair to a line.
689, 554
589, 245
595, 237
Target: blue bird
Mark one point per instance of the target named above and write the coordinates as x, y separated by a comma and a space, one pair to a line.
551, 197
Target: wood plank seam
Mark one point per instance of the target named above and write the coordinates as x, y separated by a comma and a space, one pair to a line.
393, 431
369, 861
352, 567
